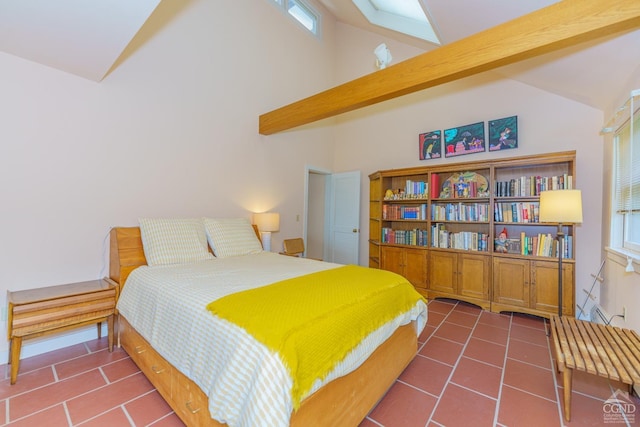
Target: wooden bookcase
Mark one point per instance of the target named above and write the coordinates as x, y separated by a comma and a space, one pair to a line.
438, 225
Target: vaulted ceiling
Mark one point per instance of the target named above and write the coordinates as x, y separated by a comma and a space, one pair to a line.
81, 37
589, 73
86, 38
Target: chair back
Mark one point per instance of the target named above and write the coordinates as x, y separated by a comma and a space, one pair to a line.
294, 246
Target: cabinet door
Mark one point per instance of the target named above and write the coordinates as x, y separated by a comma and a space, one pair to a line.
473, 276
544, 291
443, 272
511, 281
391, 259
415, 267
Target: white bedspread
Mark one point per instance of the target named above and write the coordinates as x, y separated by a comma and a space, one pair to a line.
247, 384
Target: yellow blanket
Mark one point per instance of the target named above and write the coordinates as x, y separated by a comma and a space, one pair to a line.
313, 321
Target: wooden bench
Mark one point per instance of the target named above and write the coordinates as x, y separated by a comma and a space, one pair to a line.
607, 351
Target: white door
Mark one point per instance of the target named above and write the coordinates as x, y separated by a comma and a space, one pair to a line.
344, 218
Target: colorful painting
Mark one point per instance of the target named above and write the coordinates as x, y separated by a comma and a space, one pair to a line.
464, 140
430, 145
503, 133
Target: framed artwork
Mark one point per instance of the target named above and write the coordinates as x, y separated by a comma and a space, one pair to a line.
503, 133
464, 140
430, 145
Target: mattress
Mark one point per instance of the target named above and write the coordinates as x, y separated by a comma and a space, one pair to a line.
247, 384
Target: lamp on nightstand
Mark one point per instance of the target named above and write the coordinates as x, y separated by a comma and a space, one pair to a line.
565, 208
267, 223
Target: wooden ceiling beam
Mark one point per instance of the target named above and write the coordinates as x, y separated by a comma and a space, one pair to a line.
562, 24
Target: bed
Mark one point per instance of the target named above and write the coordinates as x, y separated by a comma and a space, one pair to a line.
344, 398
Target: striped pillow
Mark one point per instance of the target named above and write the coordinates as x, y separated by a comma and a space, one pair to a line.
173, 241
231, 237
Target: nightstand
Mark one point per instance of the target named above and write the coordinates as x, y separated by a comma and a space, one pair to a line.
43, 311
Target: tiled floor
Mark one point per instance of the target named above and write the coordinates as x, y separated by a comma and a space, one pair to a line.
474, 368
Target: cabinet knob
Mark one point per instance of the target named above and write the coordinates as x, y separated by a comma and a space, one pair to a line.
355, 230
193, 411
157, 370
139, 349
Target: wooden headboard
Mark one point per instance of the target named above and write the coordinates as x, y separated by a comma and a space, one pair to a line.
126, 252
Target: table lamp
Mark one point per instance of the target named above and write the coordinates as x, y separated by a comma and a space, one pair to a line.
267, 223
565, 208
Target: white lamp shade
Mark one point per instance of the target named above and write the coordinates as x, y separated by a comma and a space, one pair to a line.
561, 206
267, 221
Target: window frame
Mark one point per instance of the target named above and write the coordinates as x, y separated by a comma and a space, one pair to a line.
625, 185
286, 5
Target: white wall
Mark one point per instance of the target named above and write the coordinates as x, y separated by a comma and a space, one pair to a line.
385, 136
171, 131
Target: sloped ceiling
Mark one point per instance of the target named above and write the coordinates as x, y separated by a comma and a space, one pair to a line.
81, 37
591, 73
86, 38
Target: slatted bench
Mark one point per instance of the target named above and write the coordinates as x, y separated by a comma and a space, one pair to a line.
607, 351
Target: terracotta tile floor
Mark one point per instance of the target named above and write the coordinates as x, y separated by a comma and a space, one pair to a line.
473, 368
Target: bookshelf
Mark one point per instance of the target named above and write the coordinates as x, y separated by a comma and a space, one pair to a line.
470, 231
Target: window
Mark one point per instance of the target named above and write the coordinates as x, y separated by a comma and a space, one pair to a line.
625, 231
301, 12
406, 16
303, 15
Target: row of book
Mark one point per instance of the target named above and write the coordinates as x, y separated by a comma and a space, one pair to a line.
415, 237
543, 245
527, 186
472, 212
416, 188
517, 212
391, 212
546, 245
464, 240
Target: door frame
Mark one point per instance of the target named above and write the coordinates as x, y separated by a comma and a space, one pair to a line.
308, 169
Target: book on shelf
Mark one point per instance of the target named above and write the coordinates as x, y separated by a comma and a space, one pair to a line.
415, 237
393, 212
416, 189
528, 186
435, 185
546, 245
463, 240
467, 212
518, 212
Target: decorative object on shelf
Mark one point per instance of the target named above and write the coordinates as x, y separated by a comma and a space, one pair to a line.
513, 246
503, 133
430, 145
465, 185
464, 140
267, 223
500, 244
413, 190
565, 208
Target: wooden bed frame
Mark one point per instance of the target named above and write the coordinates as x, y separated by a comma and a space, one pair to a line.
342, 402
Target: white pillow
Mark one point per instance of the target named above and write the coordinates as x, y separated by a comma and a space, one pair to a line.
173, 241
231, 237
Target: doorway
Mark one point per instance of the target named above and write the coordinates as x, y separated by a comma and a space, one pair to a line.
331, 226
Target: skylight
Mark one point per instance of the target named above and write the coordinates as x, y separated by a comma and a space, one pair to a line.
404, 16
